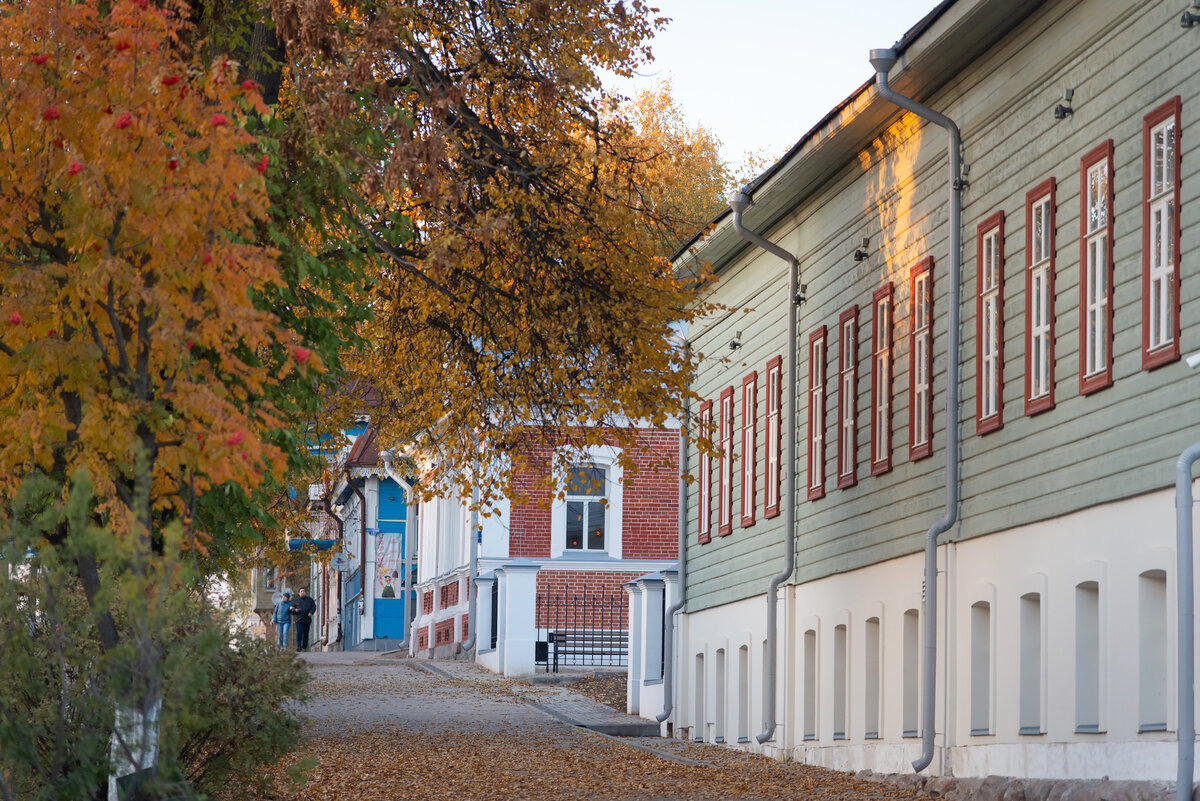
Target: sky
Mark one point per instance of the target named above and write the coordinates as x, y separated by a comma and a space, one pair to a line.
760, 73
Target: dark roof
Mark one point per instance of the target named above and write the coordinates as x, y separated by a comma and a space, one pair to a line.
365, 451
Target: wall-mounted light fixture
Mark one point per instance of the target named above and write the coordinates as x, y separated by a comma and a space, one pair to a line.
736, 342
1063, 109
861, 253
1190, 19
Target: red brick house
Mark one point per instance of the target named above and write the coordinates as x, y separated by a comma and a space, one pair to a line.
573, 551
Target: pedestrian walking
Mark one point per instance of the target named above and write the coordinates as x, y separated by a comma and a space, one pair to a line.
283, 618
303, 609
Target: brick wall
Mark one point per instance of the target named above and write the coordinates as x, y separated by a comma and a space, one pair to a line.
604, 601
443, 632
650, 498
427, 603
448, 595
423, 638
465, 626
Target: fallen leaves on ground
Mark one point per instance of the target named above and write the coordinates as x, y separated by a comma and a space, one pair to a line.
603, 688
393, 731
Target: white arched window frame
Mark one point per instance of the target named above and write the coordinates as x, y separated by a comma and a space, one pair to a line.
607, 458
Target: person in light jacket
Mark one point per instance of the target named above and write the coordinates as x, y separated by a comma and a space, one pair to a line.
283, 618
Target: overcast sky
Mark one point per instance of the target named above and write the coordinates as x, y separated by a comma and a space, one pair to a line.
760, 73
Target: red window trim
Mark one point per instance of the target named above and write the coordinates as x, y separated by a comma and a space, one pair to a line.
984, 426
1046, 402
817, 491
924, 449
848, 479
725, 499
1170, 353
704, 518
881, 466
775, 365
750, 456
1089, 384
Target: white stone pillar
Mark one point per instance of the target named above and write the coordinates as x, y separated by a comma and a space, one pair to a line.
633, 680
653, 590
517, 618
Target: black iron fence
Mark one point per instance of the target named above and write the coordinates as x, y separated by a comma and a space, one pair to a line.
582, 630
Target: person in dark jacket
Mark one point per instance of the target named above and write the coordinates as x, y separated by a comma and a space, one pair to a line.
303, 608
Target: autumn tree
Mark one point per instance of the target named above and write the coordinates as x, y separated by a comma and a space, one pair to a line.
532, 289
145, 360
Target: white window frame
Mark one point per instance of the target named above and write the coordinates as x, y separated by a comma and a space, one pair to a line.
848, 398
881, 381
816, 414
1095, 334
749, 448
725, 494
774, 436
1161, 202
989, 342
1040, 306
921, 380
604, 456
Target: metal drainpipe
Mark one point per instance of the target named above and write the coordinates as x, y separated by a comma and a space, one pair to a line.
387, 456
882, 61
473, 548
796, 290
669, 615
1186, 659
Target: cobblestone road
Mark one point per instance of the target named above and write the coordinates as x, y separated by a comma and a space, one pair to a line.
380, 727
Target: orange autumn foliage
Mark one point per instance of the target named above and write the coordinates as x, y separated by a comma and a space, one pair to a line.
129, 194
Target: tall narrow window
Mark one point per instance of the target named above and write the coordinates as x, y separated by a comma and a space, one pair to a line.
841, 665
749, 447
816, 414
774, 435
989, 325
698, 722
1087, 658
586, 507
1152, 651
881, 380
810, 685
705, 431
848, 397
725, 487
871, 690
1096, 269
1039, 298
1160, 235
1030, 711
981, 668
912, 644
920, 363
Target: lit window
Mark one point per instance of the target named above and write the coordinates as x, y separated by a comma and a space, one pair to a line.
881, 381
989, 365
586, 508
816, 414
920, 366
848, 398
1039, 298
1160, 218
1096, 267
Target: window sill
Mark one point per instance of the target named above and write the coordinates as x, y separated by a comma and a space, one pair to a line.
810, 738
1030, 731
981, 733
1152, 728
651, 682
1090, 728
911, 734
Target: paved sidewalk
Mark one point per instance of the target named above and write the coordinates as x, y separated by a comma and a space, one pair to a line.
555, 700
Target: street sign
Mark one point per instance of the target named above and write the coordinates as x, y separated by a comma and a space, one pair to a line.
339, 561
374, 532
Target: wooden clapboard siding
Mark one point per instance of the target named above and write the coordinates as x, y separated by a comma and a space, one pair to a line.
1122, 60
